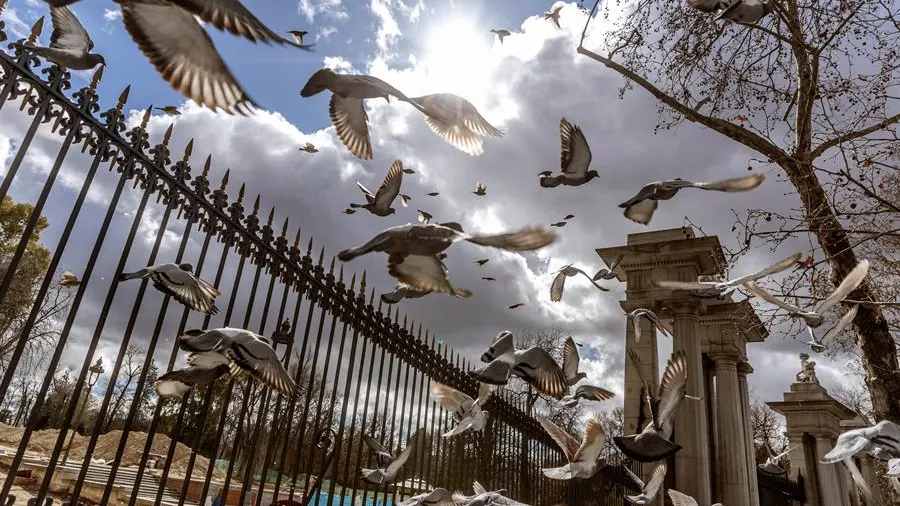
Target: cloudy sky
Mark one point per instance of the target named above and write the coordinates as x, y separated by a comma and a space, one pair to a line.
523, 86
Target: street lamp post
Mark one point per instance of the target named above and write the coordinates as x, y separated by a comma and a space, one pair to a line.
94, 373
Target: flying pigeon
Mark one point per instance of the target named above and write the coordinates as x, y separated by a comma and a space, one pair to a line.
881, 441
609, 274
216, 352
716, 289
640, 208
482, 497
437, 497
570, 362
516, 305
568, 217
432, 239
424, 273
70, 44
554, 15
457, 121
480, 190
559, 282
559, 224
639, 313
534, 365
649, 489
408, 171
467, 412
482, 261
745, 11
860, 481
574, 159
379, 203
588, 393
348, 91
434, 194
171, 110
309, 148
401, 292
349, 211
488, 278
771, 466
653, 443
298, 35
816, 317
581, 456
69, 279
679, 499
424, 217
711, 6
501, 33
388, 466
179, 281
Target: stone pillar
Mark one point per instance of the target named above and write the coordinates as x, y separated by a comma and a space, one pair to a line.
829, 476
732, 452
692, 462
743, 369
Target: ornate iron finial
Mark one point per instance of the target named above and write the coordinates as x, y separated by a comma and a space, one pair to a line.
241, 192
123, 97
321, 255
225, 179
309, 247
256, 205
341, 273
271, 215
36, 30
95, 80
297, 239
371, 296
146, 118
284, 228
352, 279
187, 151
205, 171
167, 135
362, 284
331, 267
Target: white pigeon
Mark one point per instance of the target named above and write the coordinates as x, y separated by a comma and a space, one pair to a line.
588, 393
771, 465
641, 207
179, 281
635, 318
745, 11
388, 466
711, 6
582, 456
574, 159
881, 441
467, 412
456, 121
653, 443
70, 44
216, 352
715, 289
401, 292
610, 273
437, 497
559, 282
649, 489
534, 365
570, 362
679, 499
816, 317
379, 203
483, 497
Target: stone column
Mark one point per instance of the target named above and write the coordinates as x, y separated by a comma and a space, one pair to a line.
743, 369
732, 452
829, 476
692, 462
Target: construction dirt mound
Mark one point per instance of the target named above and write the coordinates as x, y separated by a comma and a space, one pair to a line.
42, 443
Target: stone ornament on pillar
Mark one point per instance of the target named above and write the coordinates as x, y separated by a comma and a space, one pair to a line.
807, 372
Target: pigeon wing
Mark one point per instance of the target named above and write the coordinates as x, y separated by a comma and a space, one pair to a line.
575, 153
475, 121
593, 443
861, 483
454, 401
655, 482
183, 53
679, 499
526, 239
383, 457
641, 211
188, 289
390, 187
566, 441
485, 390
768, 271
462, 139
758, 291
737, 184
593, 393
260, 360
422, 272
570, 358
502, 345
68, 32
232, 16
542, 371
401, 459
843, 323
672, 388
557, 287
635, 478
478, 488
850, 283
592, 280
351, 122
847, 445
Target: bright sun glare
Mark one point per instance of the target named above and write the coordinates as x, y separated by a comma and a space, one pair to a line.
457, 55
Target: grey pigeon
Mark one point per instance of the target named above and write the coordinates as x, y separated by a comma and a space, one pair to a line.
653, 443
179, 281
401, 292
501, 33
635, 318
379, 203
554, 15
582, 457
423, 273
816, 317
298, 35
348, 91
570, 362
70, 44
457, 121
610, 273
711, 6
588, 393
649, 489
483, 497
641, 207
437, 497
534, 365
432, 239
881, 441
722, 288
221, 351
745, 11
574, 159
388, 466
559, 282
466, 411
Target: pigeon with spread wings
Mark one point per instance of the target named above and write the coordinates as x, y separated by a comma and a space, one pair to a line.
641, 207
649, 489
771, 465
559, 282
679, 499
635, 318
423, 273
179, 281
574, 159
456, 121
216, 352
437, 497
715, 289
534, 365
467, 412
816, 317
570, 362
610, 273
582, 457
388, 466
653, 443
503, 32
588, 393
554, 15
70, 44
379, 203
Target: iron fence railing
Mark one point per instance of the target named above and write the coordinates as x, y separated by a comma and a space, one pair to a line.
361, 369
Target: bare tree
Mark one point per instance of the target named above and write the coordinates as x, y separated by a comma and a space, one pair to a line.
804, 88
613, 422
767, 428
126, 383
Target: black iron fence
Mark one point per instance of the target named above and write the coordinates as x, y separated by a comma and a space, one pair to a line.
97, 433
779, 490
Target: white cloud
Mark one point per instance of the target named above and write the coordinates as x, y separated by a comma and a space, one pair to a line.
326, 32
14, 25
328, 8
112, 14
388, 29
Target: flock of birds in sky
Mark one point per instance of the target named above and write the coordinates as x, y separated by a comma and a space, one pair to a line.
168, 34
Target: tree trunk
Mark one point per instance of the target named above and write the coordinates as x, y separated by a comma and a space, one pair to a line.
878, 350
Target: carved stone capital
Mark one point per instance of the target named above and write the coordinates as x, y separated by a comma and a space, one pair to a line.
725, 360
744, 368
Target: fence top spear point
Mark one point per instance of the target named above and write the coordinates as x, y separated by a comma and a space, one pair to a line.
206, 164
98, 74
168, 134
146, 118
188, 149
271, 216
123, 97
284, 228
36, 30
